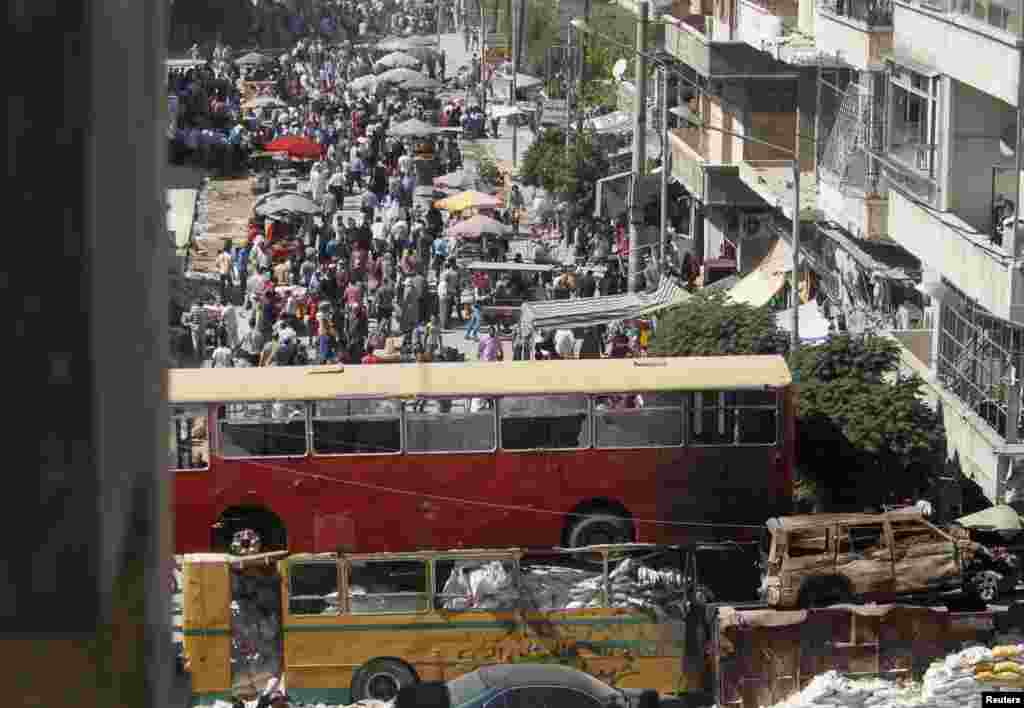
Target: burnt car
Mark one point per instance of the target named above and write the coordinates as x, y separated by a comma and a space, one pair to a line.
1000, 533
817, 560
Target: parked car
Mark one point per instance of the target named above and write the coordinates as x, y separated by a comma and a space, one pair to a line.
541, 685
824, 559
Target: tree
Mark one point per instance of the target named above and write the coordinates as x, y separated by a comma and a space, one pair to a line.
710, 324
571, 174
864, 430
864, 433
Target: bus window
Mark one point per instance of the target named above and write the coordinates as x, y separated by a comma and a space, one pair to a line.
189, 440
449, 425
544, 422
461, 586
657, 421
313, 588
387, 586
357, 427
263, 429
734, 418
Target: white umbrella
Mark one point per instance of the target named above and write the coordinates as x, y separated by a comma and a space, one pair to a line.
413, 127
398, 76
504, 111
395, 60
362, 83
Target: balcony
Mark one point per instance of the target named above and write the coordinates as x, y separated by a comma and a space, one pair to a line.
972, 41
963, 255
772, 180
858, 31
702, 43
689, 155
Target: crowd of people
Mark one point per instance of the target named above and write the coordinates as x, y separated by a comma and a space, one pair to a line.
308, 290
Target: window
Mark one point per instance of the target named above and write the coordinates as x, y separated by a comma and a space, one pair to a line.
734, 418
475, 585
381, 587
189, 442
449, 425
543, 697
544, 422
656, 421
263, 429
867, 539
812, 542
313, 588
917, 538
357, 427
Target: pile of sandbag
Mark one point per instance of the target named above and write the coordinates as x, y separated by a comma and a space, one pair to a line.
955, 682
256, 644
476, 585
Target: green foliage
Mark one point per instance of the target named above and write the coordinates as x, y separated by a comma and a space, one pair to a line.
540, 33
710, 324
863, 431
489, 171
618, 24
842, 356
571, 174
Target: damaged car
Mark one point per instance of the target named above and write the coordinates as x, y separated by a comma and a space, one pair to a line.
816, 560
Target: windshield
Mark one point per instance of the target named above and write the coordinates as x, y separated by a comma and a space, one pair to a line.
466, 688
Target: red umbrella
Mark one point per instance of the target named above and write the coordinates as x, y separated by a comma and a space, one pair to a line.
295, 146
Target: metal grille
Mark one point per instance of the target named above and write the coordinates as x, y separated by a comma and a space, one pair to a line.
977, 356
845, 111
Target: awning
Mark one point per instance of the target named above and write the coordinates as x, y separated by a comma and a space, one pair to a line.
762, 283
611, 122
590, 311
813, 325
612, 193
999, 518
729, 189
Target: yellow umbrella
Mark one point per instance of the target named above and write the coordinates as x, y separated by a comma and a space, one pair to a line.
467, 200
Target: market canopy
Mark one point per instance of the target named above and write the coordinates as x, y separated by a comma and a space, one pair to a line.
468, 200
413, 128
399, 75
363, 82
285, 202
999, 518
398, 59
404, 44
456, 180
478, 226
590, 311
264, 102
761, 284
253, 59
422, 83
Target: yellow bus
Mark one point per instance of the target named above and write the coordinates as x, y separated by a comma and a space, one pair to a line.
356, 626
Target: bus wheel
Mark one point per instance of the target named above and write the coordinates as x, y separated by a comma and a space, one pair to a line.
381, 680
600, 529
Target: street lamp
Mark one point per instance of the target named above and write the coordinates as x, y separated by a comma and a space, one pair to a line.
697, 122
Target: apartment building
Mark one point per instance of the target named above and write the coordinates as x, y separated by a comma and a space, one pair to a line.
905, 117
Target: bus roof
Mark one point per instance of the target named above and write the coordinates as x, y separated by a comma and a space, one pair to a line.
483, 379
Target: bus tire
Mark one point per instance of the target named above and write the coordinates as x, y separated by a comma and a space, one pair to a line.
381, 679
599, 529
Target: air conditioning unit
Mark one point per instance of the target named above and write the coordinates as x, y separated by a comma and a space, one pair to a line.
924, 158
754, 224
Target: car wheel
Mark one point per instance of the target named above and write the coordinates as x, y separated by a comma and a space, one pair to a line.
600, 529
985, 586
381, 680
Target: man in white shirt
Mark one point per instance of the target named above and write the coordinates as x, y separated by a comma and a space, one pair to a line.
565, 344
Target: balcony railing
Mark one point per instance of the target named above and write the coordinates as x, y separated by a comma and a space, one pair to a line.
1004, 15
873, 13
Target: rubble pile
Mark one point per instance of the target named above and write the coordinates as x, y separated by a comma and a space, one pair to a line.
956, 682
488, 586
256, 645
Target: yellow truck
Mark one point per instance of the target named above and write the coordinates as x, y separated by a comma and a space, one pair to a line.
355, 626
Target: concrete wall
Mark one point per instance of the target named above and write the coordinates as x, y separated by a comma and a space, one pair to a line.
757, 23
978, 121
940, 242
852, 40
982, 58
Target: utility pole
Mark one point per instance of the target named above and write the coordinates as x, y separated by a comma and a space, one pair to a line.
639, 140
517, 12
796, 224
567, 71
483, 54
666, 155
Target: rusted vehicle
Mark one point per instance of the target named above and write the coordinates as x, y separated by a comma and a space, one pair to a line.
817, 560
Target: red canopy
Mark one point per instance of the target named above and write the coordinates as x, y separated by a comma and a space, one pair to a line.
295, 146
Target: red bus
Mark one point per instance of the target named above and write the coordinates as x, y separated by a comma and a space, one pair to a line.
483, 454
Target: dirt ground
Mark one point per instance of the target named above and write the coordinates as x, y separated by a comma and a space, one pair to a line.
229, 204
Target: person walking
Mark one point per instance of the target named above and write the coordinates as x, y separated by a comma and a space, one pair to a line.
490, 346
473, 327
224, 263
